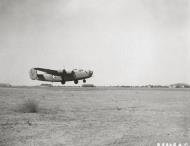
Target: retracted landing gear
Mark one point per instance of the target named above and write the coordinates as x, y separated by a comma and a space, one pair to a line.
63, 82
76, 81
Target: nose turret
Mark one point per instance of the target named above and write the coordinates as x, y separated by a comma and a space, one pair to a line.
90, 72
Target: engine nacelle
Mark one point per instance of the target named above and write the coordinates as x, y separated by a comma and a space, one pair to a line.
61, 72
68, 72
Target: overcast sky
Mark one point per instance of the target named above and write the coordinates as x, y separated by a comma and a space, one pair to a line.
125, 42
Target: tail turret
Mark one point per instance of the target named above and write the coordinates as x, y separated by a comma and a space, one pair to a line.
33, 74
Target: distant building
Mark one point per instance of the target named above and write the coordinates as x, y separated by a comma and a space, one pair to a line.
179, 85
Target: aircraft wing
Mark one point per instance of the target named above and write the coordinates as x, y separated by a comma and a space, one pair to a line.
49, 71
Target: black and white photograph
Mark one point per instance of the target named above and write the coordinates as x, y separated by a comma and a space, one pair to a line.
94, 73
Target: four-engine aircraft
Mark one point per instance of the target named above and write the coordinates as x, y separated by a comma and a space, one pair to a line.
60, 75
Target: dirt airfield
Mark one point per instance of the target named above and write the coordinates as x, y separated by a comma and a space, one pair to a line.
101, 116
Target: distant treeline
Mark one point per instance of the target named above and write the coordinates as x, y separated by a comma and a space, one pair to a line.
177, 85
145, 86
5, 85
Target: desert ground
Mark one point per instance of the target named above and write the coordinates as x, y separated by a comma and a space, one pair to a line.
99, 116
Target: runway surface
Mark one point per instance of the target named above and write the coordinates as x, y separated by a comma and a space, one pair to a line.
100, 116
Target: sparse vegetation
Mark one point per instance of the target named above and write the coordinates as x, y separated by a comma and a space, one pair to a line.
29, 106
88, 85
119, 108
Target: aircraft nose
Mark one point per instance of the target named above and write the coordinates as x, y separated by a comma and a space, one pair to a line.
90, 72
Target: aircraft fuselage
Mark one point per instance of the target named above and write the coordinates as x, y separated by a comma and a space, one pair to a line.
60, 76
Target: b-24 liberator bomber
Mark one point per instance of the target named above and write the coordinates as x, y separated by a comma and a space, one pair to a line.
60, 75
